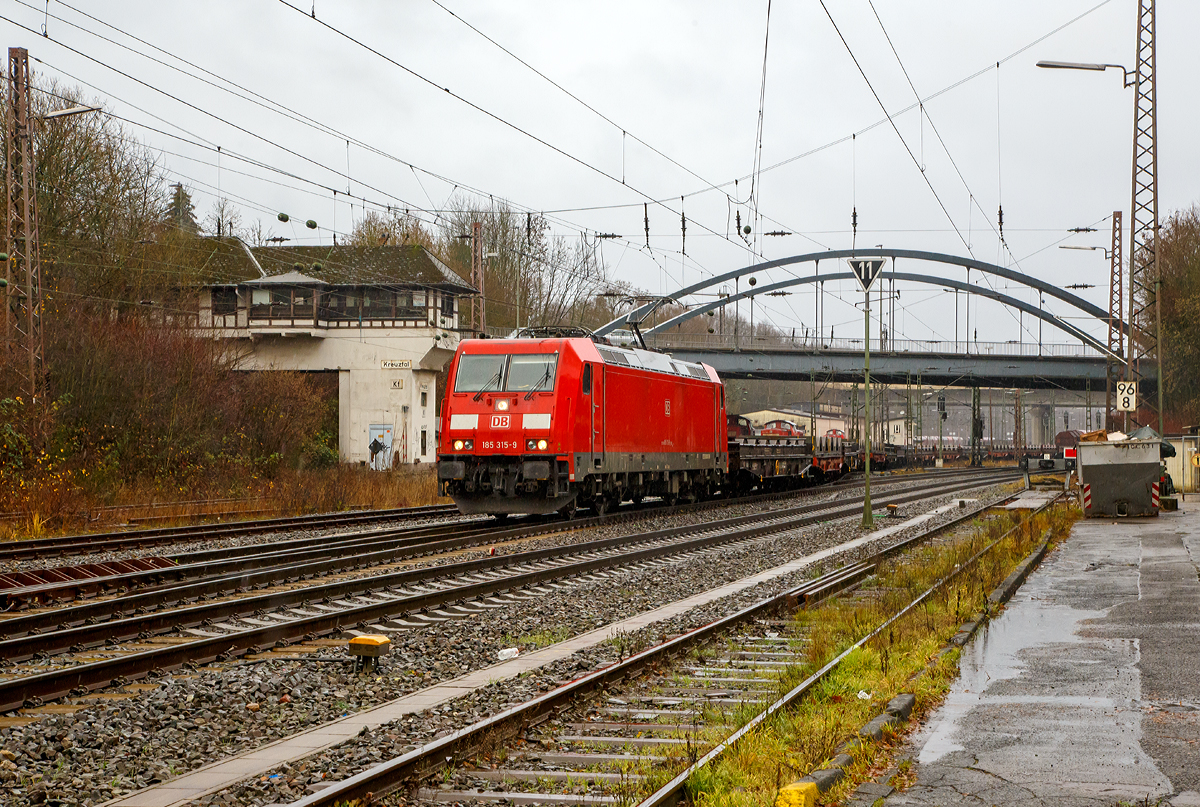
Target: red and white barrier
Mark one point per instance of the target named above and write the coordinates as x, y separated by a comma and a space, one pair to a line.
1087, 497
1154, 495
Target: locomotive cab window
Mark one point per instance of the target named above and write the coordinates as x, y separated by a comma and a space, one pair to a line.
531, 372
480, 372
586, 383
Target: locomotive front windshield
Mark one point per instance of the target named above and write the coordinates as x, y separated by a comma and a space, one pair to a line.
480, 372
522, 372
531, 372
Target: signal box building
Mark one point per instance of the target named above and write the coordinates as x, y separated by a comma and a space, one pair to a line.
384, 318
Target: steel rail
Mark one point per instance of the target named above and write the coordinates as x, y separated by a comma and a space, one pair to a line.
254, 558
134, 539
151, 597
156, 536
146, 624
89, 615
56, 683
163, 579
669, 794
407, 770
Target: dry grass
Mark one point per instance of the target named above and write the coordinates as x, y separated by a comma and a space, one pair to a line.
807, 735
56, 509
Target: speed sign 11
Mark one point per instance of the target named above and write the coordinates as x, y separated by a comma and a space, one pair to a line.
1127, 396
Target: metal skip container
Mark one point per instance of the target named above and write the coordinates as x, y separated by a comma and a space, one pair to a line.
1120, 478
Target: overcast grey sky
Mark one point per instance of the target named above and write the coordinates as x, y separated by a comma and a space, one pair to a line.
683, 77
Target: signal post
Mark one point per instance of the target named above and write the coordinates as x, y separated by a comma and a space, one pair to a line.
867, 271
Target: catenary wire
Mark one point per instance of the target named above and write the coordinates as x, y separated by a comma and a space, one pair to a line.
380, 206
624, 131
497, 118
895, 128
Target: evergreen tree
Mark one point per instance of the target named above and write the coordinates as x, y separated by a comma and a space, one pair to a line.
180, 211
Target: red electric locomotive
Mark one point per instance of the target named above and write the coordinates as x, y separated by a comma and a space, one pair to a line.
542, 425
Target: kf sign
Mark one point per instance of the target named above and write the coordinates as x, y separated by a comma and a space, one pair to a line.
866, 270
1127, 396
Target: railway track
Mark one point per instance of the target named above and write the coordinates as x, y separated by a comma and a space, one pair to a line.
673, 707
151, 593
379, 602
159, 536
266, 563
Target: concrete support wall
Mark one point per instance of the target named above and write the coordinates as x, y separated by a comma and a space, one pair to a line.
382, 376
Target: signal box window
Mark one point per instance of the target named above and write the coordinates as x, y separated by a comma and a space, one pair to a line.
480, 372
423, 433
224, 300
447, 305
424, 399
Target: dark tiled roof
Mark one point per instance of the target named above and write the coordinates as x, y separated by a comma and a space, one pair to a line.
228, 260
409, 263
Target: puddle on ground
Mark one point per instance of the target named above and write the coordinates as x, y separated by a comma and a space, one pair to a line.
995, 654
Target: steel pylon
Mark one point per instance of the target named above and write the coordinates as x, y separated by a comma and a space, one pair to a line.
1145, 349
23, 270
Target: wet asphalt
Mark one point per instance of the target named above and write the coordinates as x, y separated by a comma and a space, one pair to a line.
1086, 689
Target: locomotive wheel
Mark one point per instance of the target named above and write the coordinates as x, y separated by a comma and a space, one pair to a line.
568, 511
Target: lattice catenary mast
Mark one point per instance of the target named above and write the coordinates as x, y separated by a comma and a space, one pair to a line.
1116, 305
23, 269
1145, 347
478, 304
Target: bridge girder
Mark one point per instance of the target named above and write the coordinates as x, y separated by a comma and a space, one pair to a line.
933, 280
894, 255
934, 369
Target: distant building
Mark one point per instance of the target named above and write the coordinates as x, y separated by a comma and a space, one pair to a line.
384, 318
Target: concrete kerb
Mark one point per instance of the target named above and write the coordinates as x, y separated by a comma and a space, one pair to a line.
804, 792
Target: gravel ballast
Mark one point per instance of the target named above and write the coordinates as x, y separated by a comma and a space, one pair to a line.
114, 748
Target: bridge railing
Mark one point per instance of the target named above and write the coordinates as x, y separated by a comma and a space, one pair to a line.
847, 345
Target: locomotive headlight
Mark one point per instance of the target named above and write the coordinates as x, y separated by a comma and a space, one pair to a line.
542, 445
458, 445
531, 444
469, 444
502, 405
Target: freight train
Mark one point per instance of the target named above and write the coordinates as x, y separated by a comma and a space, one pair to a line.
561, 419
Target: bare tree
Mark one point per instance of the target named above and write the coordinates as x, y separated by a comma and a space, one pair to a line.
533, 275
224, 219
389, 229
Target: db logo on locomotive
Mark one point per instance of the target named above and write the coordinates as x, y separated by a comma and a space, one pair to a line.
500, 421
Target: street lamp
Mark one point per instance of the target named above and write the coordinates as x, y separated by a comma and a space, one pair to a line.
1134, 78
1088, 66
74, 110
1107, 252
